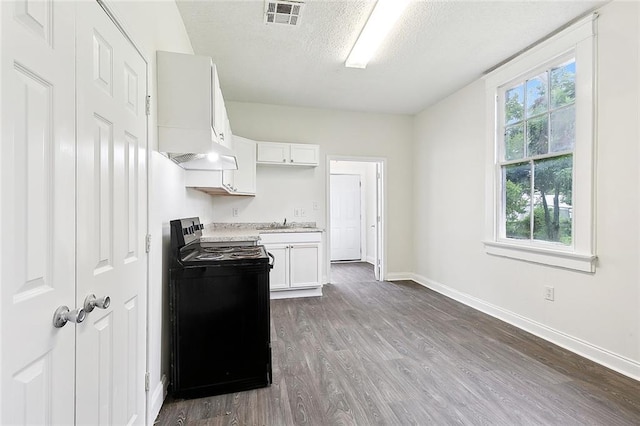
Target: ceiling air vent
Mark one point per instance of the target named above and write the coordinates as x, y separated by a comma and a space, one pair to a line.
282, 12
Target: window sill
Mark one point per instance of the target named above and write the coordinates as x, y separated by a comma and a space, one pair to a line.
544, 256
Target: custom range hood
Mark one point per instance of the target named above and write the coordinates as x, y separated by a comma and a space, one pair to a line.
221, 158
191, 113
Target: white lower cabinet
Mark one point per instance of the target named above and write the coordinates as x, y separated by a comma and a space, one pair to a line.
304, 265
297, 260
279, 275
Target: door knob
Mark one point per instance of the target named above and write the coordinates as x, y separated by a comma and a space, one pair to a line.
91, 302
63, 315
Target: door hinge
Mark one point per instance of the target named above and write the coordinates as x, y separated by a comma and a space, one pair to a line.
147, 243
146, 381
148, 105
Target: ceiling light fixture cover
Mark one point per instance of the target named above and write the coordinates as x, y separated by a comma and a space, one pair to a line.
282, 12
384, 16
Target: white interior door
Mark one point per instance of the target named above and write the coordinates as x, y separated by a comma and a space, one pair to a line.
345, 217
111, 221
377, 267
37, 211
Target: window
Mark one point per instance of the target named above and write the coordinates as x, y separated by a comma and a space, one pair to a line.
537, 118
540, 179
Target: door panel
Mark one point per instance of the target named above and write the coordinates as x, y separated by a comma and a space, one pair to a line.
345, 217
38, 211
111, 132
279, 275
304, 267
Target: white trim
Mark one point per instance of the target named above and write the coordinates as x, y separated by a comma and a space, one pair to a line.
579, 38
399, 276
290, 294
529, 253
370, 259
638, 176
619, 363
156, 400
544, 52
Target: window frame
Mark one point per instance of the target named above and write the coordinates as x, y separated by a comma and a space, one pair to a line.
576, 41
501, 160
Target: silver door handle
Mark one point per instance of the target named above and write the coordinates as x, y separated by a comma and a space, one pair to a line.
62, 315
91, 302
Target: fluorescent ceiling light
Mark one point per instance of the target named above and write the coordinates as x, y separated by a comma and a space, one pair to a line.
384, 15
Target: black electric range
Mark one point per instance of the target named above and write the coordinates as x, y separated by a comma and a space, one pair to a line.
219, 310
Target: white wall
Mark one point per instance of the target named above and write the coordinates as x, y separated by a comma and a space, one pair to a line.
367, 173
280, 189
596, 315
157, 25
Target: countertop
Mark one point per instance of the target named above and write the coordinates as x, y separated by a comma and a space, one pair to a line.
237, 232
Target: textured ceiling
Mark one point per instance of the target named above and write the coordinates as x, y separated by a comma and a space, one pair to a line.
436, 48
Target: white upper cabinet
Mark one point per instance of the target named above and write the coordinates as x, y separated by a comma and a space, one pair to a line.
290, 154
189, 102
220, 120
273, 153
244, 179
304, 154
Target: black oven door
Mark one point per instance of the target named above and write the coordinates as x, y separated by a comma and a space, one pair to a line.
220, 329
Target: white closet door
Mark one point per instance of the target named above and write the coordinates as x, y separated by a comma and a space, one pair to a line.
111, 221
345, 217
37, 211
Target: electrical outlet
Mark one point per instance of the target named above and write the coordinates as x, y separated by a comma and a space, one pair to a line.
315, 205
234, 212
296, 212
549, 293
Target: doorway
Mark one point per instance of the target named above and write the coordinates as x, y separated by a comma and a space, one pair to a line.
355, 213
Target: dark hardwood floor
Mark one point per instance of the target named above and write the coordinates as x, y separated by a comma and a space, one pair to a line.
396, 353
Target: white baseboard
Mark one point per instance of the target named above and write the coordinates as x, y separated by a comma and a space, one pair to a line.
399, 276
370, 259
157, 398
290, 294
616, 362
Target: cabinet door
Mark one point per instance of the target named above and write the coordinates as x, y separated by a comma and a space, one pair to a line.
305, 154
228, 176
271, 152
185, 103
279, 275
218, 105
228, 180
245, 176
305, 265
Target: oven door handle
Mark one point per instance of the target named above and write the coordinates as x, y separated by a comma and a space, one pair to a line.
272, 258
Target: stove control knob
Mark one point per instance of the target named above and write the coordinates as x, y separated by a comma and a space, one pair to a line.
91, 302
62, 316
